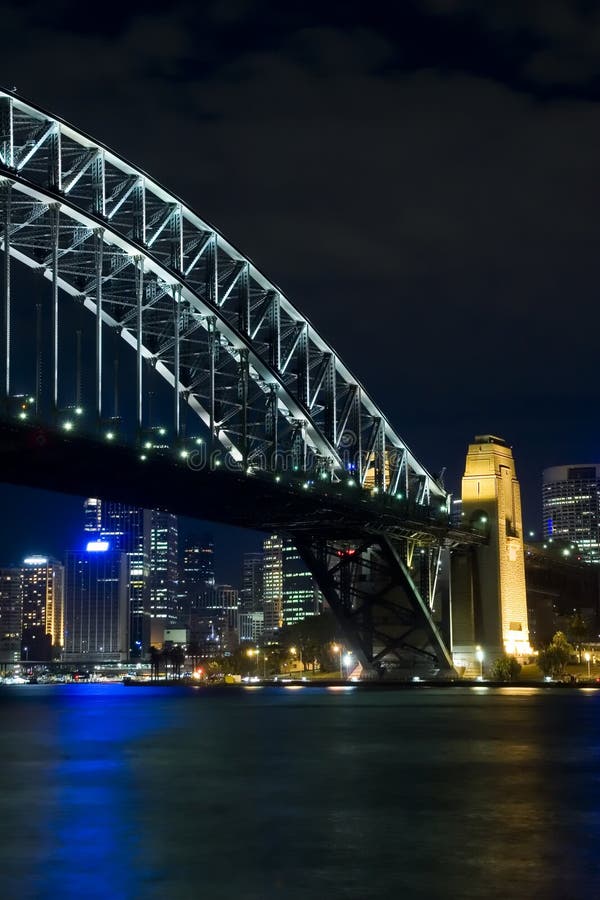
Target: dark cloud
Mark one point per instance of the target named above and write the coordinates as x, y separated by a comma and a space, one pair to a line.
422, 185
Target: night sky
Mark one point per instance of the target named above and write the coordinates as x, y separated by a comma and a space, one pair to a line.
423, 184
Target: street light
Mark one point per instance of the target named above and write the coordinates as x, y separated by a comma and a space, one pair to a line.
252, 653
338, 649
588, 658
479, 654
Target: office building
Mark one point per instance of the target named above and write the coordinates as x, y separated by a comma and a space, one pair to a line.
11, 614
163, 573
300, 594
571, 507
251, 593
251, 627
273, 583
96, 604
127, 529
197, 574
42, 608
289, 592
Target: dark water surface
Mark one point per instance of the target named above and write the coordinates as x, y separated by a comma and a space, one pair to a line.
124, 793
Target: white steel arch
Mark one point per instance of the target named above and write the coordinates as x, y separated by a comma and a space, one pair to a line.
225, 338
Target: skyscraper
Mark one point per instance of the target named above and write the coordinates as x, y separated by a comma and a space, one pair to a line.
43, 610
571, 507
288, 589
252, 582
127, 529
163, 572
96, 604
11, 613
273, 583
197, 573
301, 596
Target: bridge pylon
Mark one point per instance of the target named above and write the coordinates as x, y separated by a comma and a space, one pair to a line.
489, 602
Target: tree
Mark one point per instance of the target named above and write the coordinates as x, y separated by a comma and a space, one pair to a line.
154, 663
166, 659
312, 637
506, 668
177, 660
577, 630
554, 658
193, 651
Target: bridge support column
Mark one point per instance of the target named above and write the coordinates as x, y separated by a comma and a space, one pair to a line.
489, 604
385, 621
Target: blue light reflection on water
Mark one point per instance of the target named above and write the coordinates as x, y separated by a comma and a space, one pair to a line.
136, 794
81, 808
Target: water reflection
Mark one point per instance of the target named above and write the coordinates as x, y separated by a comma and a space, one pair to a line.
116, 792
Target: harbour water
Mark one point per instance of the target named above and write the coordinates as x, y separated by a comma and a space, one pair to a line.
122, 793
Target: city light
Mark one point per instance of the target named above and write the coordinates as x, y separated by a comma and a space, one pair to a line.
35, 561
97, 546
479, 655
68, 426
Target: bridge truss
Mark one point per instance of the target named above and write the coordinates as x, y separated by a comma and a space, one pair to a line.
237, 355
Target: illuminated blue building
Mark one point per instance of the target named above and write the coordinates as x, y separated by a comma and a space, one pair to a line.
127, 529
96, 604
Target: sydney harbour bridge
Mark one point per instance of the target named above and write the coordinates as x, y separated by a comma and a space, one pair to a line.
145, 359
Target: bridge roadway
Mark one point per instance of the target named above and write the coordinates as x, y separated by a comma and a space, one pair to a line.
38, 456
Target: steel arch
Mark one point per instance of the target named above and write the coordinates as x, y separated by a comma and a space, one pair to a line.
225, 338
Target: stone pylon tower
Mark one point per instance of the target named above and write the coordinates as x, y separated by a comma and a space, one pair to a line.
489, 602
